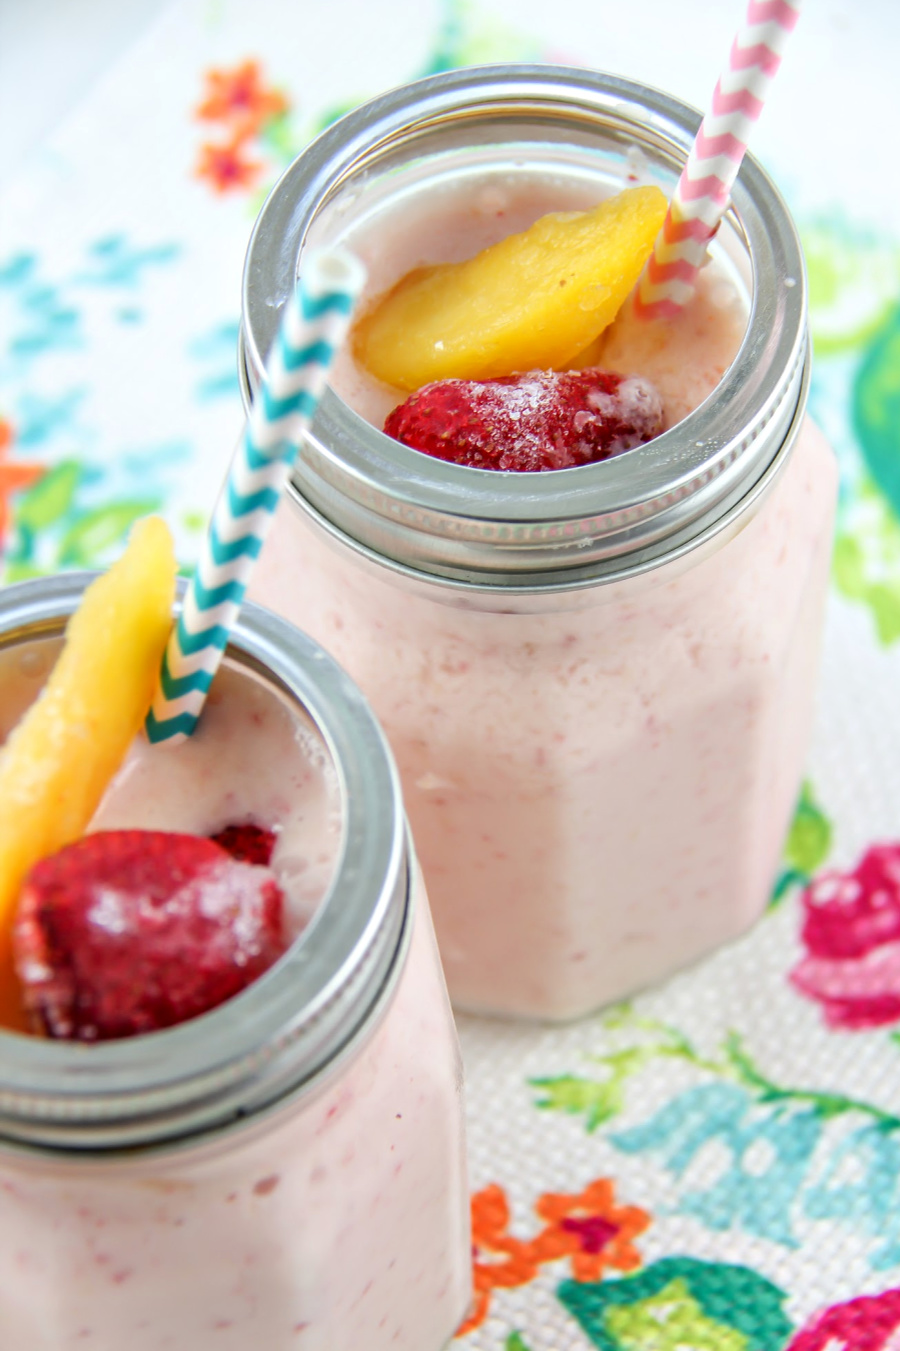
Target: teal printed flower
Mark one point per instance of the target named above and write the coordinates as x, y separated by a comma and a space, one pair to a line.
860, 1185
750, 1154
115, 261
767, 1157
759, 1165
679, 1303
80, 511
40, 419
43, 317
215, 351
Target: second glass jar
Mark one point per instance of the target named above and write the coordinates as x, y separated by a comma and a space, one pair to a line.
288, 1169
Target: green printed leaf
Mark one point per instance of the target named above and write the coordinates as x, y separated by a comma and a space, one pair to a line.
806, 848
744, 1067
669, 1322
331, 115
852, 276
867, 549
96, 531
598, 1101
740, 1066
514, 1342
681, 1302
278, 136
787, 879
619, 1015
876, 409
22, 571
20, 548
467, 37
50, 498
849, 567
866, 563
195, 521
884, 602
809, 838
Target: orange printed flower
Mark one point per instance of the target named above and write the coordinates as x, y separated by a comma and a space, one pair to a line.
226, 167
240, 95
13, 476
591, 1230
498, 1258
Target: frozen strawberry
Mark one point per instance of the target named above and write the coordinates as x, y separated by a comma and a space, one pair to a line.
247, 843
129, 931
539, 420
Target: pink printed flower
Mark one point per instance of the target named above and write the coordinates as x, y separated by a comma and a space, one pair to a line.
14, 476
851, 931
869, 1323
589, 1229
227, 167
241, 94
499, 1260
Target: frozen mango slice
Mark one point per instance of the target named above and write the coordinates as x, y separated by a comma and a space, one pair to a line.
535, 300
58, 761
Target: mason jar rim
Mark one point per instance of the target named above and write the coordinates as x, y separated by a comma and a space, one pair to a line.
528, 530
283, 1031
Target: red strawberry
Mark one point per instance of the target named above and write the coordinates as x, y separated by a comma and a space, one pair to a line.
539, 420
247, 843
128, 931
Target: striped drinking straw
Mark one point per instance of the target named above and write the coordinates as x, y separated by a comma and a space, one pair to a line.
313, 326
701, 196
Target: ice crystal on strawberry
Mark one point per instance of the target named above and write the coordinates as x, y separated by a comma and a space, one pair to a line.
535, 421
130, 931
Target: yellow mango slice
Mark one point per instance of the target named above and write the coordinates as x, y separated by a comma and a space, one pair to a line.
534, 300
58, 760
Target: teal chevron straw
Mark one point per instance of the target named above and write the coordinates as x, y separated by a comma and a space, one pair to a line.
314, 324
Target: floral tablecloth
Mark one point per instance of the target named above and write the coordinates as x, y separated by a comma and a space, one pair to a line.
717, 1164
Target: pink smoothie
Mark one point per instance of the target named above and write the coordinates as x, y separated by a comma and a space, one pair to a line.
600, 780
600, 794
453, 224
336, 1218
251, 758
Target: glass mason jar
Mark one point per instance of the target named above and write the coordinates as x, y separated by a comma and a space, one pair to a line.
287, 1169
597, 682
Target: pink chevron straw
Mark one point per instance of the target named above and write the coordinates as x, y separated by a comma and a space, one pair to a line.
701, 195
